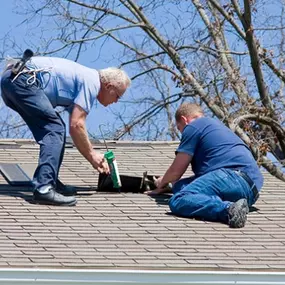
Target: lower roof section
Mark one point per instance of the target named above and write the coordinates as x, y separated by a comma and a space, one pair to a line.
126, 230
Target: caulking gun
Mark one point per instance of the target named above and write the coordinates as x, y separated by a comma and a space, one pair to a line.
111, 160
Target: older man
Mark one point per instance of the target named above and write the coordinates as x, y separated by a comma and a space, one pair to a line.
227, 179
48, 82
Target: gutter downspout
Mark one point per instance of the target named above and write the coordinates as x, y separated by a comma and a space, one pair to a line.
12, 276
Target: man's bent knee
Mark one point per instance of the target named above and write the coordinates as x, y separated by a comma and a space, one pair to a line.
175, 203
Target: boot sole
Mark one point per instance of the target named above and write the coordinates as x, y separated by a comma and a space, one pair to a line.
242, 216
67, 193
44, 202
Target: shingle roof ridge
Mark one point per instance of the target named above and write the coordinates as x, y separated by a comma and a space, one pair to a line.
93, 141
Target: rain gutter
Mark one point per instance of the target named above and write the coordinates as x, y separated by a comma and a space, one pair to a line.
12, 276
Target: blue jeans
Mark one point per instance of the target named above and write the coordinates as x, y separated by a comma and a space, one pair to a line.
209, 196
44, 122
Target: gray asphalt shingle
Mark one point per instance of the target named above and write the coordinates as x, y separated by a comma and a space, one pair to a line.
129, 230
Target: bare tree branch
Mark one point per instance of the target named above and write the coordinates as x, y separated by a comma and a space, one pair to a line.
208, 52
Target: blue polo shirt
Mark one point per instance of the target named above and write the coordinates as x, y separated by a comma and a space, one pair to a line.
66, 82
212, 146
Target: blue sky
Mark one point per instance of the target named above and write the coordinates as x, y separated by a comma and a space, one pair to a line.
11, 22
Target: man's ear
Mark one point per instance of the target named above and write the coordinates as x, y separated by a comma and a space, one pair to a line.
184, 119
108, 85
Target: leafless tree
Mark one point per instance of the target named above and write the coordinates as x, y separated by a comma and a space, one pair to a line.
226, 55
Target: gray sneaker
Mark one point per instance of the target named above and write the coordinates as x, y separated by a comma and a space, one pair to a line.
238, 213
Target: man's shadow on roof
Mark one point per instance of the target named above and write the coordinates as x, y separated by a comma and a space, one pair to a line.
25, 192
19, 177
161, 199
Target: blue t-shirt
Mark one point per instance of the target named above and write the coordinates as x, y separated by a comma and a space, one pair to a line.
66, 82
212, 146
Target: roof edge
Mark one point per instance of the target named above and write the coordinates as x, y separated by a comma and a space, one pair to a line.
152, 277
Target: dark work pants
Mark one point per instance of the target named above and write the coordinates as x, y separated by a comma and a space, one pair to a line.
44, 122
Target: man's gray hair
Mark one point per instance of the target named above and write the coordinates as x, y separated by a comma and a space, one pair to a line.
115, 76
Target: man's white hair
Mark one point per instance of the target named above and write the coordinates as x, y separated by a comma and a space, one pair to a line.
115, 76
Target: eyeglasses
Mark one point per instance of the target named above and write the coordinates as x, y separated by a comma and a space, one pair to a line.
117, 93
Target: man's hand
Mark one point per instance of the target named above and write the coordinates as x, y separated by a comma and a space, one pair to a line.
159, 189
155, 192
157, 182
99, 163
173, 173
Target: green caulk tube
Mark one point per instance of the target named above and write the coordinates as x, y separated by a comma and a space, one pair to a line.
110, 157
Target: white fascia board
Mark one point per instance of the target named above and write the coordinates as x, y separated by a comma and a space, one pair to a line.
137, 277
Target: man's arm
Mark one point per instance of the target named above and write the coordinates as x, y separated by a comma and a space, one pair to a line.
174, 172
78, 132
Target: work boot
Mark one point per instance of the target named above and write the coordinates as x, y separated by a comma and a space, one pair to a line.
53, 198
66, 190
238, 213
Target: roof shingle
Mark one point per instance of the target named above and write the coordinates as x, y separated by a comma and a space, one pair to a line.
129, 230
